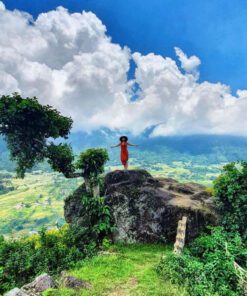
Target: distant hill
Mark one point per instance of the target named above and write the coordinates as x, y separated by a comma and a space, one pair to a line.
196, 148
215, 148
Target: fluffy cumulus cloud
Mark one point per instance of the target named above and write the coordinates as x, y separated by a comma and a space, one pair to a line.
64, 59
67, 60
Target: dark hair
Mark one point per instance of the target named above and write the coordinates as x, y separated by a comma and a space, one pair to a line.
122, 138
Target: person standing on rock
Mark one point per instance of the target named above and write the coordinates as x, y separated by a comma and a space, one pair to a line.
124, 155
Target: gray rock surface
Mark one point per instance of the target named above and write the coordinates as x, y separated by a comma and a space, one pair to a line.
16, 292
40, 284
72, 282
147, 209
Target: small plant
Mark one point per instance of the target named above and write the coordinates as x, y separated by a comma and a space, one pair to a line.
49, 292
106, 243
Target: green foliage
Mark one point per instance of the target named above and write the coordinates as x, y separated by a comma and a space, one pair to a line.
54, 250
97, 218
26, 125
230, 190
106, 244
21, 260
49, 292
92, 162
205, 267
50, 251
15, 262
61, 158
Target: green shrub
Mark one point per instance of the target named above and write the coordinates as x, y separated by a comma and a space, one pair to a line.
98, 218
54, 250
92, 161
230, 190
21, 260
205, 267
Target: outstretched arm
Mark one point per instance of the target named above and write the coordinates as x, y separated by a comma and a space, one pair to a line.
129, 144
113, 146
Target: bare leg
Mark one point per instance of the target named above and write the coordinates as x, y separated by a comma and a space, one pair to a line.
126, 166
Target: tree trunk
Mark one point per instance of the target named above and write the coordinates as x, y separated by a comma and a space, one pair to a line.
92, 188
87, 184
96, 191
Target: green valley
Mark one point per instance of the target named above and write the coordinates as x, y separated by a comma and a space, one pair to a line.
34, 202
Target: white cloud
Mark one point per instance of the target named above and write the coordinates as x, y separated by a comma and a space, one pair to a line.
2, 6
188, 64
64, 59
67, 60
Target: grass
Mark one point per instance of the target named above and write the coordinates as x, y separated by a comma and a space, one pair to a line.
123, 270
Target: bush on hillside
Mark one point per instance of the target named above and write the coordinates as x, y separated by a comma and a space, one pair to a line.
205, 267
230, 190
54, 250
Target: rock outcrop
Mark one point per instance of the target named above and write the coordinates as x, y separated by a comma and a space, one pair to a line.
35, 288
45, 282
39, 285
72, 282
147, 209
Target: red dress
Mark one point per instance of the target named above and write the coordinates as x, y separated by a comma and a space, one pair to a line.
124, 156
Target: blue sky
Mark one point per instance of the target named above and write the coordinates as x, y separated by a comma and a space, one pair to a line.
215, 31
188, 60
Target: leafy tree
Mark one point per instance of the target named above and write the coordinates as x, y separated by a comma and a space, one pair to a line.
26, 125
61, 158
91, 162
230, 190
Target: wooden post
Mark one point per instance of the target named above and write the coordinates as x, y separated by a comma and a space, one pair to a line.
180, 238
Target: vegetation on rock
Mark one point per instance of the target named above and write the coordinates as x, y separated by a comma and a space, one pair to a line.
92, 162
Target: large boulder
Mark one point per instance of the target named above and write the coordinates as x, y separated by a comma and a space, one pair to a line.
147, 209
